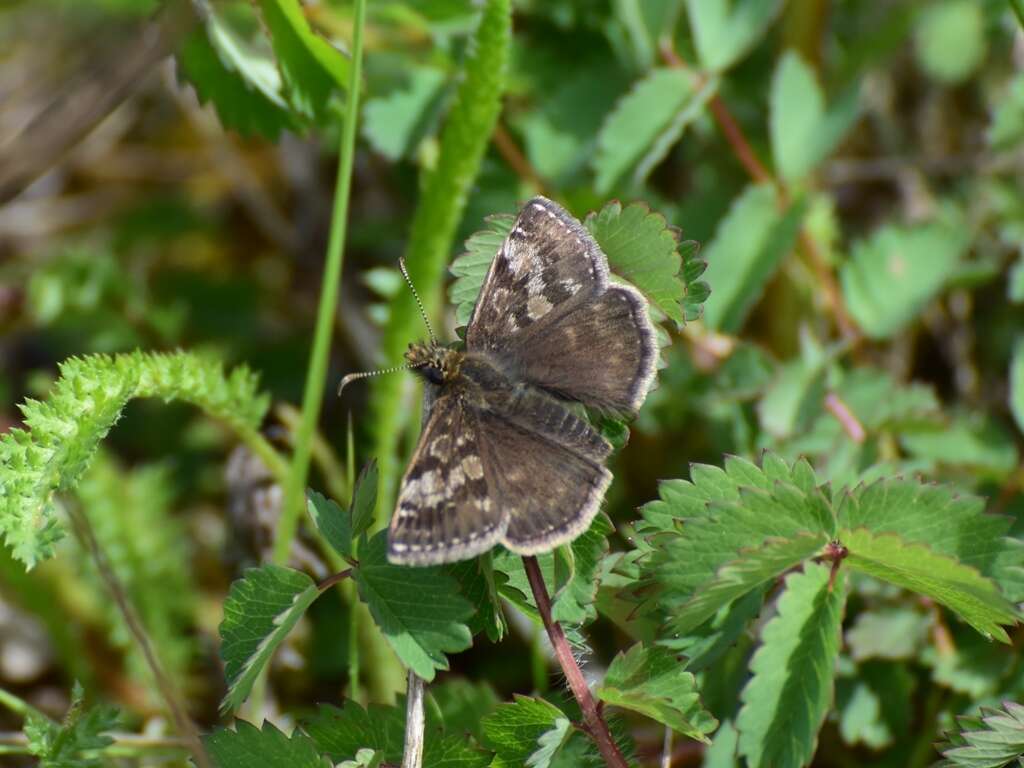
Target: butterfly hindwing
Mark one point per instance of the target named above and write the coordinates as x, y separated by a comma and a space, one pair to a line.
445, 511
548, 311
549, 492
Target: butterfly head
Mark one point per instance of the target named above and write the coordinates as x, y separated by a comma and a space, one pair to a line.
435, 362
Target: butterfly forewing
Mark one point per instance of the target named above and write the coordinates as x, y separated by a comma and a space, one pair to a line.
445, 511
548, 312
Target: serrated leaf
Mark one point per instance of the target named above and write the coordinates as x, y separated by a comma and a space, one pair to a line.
312, 68
64, 432
993, 740
550, 744
724, 513
949, 522
247, 745
752, 569
708, 643
259, 612
959, 587
513, 730
364, 498
242, 83
340, 732
802, 132
645, 123
333, 522
653, 682
419, 610
786, 700
892, 275
748, 246
470, 268
73, 742
642, 248
479, 583
949, 39
724, 30
573, 589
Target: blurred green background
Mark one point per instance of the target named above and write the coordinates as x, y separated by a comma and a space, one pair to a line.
852, 169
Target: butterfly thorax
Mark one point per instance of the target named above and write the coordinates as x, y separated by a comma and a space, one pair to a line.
435, 362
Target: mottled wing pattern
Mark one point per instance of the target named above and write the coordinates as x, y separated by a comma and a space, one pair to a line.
549, 492
548, 312
444, 510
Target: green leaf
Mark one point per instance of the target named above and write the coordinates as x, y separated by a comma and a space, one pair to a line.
948, 521
895, 273
64, 432
340, 732
643, 249
949, 39
1005, 130
796, 394
959, 587
364, 499
479, 584
513, 730
333, 522
312, 68
550, 744
653, 682
646, 123
247, 745
888, 633
724, 30
1017, 383
971, 440
395, 124
470, 268
260, 611
640, 245
786, 700
73, 742
801, 132
727, 515
573, 590
748, 246
753, 568
241, 82
461, 705
419, 610
991, 740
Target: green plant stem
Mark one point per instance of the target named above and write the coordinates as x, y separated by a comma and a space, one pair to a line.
18, 705
273, 460
170, 694
126, 745
317, 372
446, 187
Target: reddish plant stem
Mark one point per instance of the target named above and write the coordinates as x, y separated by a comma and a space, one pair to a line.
846, 418
515, 158
757, 171
594, 722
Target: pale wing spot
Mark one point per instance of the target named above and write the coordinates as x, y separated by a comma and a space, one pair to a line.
473, 468
441, 446
456, 478
537, 307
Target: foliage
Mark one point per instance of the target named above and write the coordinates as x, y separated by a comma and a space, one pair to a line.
812, 552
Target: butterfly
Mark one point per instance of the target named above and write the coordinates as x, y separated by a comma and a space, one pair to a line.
504, 456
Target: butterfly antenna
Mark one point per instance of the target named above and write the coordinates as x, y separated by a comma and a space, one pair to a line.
366, 374
415, 295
